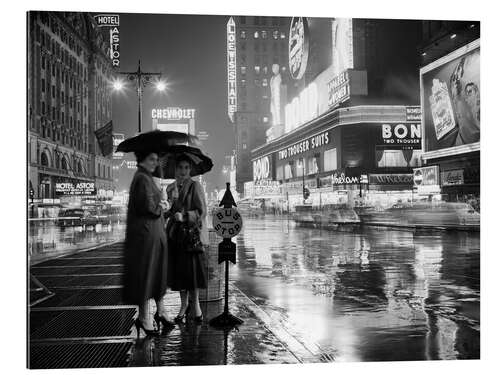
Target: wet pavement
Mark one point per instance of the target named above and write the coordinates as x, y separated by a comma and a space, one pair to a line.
369, 294
46, 239
306, 295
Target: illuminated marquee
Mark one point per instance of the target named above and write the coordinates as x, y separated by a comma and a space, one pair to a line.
172, 113
231, 69
305, 145
302, 108
261, 169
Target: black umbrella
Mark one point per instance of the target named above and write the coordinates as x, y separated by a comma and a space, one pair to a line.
200, 162
156, 141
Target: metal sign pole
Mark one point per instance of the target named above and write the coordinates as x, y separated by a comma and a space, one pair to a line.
229, 221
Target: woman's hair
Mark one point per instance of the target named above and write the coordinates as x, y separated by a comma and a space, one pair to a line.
141, 155
183, 157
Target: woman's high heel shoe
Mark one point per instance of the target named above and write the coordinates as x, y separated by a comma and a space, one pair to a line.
167, 324
149, 332
182, 318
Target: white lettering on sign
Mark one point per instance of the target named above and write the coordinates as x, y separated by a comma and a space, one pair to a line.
302, 108
401, 134
107, 20
173, 113
231, 69
80, 188
261, 169
338, 89
303, 146
114, 43
343, 179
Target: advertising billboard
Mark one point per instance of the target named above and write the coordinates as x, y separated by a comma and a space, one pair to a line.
450, 97
298, 47
342, 45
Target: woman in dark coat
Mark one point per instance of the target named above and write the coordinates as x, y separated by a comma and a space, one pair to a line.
187, 270
146, 255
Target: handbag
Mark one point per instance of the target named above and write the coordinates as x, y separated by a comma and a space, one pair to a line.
187, 235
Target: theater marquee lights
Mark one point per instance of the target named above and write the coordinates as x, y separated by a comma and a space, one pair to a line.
231, 69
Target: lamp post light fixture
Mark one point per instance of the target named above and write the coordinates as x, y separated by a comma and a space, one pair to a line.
141, 80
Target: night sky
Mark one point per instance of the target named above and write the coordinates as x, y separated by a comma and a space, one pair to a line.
190, 51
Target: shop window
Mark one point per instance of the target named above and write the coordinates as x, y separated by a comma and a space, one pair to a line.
279, 173
330, 160
391, 158
312, 166
288, 170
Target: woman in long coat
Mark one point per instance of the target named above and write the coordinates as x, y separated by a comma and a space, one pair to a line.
187, 270
146, 255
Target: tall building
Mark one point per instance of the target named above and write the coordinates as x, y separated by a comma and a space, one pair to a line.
450, 99
255, 45
352, 128
69, 70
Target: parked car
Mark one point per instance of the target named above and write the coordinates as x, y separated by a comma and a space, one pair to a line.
71, 217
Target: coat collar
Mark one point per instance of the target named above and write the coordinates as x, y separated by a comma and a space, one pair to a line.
141, 169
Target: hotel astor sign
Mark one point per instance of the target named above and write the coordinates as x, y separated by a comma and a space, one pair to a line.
309, 143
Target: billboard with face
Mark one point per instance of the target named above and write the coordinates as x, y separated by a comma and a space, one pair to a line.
450, 91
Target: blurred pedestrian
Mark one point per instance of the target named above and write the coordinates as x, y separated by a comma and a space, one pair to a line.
187, 266
146, 248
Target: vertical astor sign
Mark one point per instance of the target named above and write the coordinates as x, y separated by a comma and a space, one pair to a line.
231, 69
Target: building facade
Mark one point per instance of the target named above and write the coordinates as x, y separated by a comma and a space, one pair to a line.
352, 131
257, 68
450, 98
69, 71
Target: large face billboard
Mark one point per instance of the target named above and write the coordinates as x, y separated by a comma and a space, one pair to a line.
450, 90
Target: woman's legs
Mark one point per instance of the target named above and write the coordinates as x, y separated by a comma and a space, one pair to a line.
184, 302
146, 313
194, 294
161, 306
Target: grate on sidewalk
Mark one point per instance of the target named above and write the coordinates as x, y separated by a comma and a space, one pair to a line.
84, 323
79, 355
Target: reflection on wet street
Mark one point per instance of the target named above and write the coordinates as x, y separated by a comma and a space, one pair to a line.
47, 239
365, 294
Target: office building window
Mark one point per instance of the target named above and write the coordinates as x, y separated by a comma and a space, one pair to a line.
256, 35
276, 34
257, 69
330, 160
243, 20
264, 34
283, 35
243, 34
243, 70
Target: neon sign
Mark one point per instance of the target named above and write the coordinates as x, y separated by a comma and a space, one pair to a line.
231, 69
302, 108
298, 47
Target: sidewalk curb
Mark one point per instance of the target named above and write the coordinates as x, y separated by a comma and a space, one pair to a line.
300, 350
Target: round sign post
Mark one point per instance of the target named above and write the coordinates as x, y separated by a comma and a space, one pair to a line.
227, 223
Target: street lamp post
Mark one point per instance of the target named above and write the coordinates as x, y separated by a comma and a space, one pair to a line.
141, 79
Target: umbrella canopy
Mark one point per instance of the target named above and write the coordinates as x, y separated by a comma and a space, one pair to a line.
156, 141
201, 163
